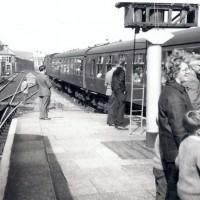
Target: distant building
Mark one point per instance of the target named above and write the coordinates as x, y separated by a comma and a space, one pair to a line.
25, 55
38, 58
7, 60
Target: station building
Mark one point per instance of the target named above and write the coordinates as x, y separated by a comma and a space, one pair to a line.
7, 60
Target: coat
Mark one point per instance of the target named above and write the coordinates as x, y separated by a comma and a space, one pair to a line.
118, 81
172, 106
43, 84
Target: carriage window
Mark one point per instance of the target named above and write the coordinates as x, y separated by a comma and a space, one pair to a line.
109, 60
139, 59
99, 67
108, 63
70, 67
78, 66
122, 56
67, 68
138, 74
64, 69
93, 68
100, 60
99, 71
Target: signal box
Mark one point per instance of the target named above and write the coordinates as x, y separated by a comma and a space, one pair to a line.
159, 15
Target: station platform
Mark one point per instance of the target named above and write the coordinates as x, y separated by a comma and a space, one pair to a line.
73, 156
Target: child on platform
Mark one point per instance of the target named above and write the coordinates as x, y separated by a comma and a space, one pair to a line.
188, 159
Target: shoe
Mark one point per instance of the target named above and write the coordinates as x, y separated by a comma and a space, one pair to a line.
120, 127
111, 124
45, 118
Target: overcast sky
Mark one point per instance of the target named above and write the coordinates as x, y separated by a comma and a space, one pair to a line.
59, 25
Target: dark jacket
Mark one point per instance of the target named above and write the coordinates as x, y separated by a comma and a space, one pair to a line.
118, 81
173, 104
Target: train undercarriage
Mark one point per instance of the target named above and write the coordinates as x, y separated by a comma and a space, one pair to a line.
85, 97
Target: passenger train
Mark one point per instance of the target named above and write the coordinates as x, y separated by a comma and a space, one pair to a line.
82, 72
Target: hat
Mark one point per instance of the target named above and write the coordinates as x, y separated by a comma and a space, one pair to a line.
115, 63
122, 61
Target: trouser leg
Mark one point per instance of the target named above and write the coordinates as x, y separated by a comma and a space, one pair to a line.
111, 107
161, 184
44, 103
171, 174
120, 107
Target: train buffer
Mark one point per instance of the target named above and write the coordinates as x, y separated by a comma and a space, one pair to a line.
75, 155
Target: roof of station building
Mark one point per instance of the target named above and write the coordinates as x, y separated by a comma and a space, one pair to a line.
7, 52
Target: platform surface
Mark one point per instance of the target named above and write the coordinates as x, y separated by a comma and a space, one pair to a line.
75, 155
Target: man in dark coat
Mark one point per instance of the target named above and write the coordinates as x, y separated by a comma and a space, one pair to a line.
119, 89
173, 104
43, 85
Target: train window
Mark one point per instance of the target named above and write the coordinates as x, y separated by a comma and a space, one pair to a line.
138, 74
67, 68
139, 59
71, 70
78, 66
64, 68
122, 56
108, 63
93, 68
99, 71
108, 68
100, 60
193, 50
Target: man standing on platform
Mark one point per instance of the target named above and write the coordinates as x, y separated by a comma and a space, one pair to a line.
43, 85
109, 92
119, 88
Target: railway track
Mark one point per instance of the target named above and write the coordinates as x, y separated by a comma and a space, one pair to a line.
10, 100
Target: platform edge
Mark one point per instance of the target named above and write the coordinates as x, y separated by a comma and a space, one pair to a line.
5, 161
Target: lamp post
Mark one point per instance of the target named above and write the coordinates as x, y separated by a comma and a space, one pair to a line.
156, 38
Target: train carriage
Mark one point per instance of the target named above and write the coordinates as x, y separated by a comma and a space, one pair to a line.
82, 72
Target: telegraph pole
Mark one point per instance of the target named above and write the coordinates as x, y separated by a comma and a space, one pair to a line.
152, 18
